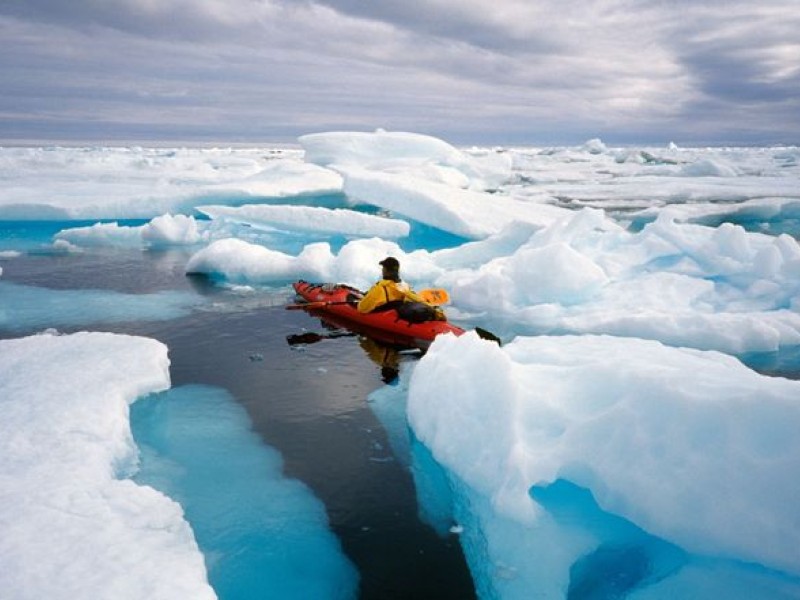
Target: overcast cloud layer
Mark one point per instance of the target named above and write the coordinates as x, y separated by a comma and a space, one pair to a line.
471, 71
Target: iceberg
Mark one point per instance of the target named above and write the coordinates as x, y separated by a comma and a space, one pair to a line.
657, 436
164, 230
238, 261
67, 454
409, 153
426, 180
467, 213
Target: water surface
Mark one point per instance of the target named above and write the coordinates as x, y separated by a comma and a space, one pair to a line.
308, 402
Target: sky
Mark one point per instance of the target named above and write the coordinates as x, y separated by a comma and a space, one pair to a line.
533, 72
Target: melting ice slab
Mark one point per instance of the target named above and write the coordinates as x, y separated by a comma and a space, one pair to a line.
164, 230
463, 212
690, 446
310, 219
24, 307
266, 535
426, 179
70, 525
379, 149
109, 183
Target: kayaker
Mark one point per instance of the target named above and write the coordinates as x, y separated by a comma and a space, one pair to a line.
393, 292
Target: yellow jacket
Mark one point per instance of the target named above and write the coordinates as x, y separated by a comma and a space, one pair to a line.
385, 291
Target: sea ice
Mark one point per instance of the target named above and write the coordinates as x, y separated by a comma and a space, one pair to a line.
658, 435
71, 524
240, 262
280, 178
686, 285
27, 308
467, 213
164, 230
709, 288
421, 156
310, 219
597, 454
268, 534
126, 183
427, 180
756, 210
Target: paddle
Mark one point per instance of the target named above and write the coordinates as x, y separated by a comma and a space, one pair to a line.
312, 305
312, 338
432, 296
488, 335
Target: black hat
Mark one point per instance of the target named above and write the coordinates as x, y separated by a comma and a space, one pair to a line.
390, 263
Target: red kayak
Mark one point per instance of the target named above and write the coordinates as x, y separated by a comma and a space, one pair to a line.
329, 301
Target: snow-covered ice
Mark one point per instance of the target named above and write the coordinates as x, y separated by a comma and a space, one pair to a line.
73, 525
161, 231
628, 281
412, 154
114, 183
691, 446
68, 457
309, 219
240, 262
467, 213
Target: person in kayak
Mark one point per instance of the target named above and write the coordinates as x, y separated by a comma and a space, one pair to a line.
392, 292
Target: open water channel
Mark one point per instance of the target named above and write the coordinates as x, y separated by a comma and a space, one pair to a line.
308, 402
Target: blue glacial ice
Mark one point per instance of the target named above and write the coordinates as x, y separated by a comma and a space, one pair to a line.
31, 308
263, 535
648, 439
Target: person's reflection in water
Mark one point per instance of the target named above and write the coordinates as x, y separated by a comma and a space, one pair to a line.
386, 357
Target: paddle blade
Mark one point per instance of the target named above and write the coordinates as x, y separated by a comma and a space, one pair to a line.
303, 338
434, 296
488, 335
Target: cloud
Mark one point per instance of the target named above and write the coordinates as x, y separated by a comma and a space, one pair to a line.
526, 70
752, 52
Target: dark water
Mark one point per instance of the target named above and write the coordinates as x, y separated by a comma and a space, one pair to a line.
308, 402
